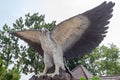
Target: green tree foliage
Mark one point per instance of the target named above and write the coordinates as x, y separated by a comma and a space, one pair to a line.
94, 78
102, 61
6, 74
14, 51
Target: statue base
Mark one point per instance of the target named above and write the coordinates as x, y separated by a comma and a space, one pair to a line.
63, 76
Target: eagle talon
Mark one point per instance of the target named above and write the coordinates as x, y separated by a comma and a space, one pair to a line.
40, 74
37, 75
52, 74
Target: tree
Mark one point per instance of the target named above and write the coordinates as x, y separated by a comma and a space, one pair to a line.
102, 61
14, 52
6, 74
109, 63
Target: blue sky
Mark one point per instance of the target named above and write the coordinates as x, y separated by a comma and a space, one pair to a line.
58, 10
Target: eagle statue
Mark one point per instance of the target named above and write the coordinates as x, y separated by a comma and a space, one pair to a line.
72, 38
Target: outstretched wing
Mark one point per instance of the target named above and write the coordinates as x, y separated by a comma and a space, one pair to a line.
31, 37
81, 34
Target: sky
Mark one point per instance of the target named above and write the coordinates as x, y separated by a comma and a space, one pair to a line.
58, 10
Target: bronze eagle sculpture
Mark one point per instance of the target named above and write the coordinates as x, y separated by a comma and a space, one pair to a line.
72, 38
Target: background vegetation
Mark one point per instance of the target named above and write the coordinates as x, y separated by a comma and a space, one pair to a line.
21, 58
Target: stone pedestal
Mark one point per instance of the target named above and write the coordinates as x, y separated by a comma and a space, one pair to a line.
63, 76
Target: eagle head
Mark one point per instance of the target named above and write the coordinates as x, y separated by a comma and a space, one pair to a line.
45, 30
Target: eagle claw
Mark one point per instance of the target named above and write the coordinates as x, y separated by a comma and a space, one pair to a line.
52, 74
40, 74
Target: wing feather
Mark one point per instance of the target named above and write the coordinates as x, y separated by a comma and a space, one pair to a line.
69, 31
31, 37
82, 33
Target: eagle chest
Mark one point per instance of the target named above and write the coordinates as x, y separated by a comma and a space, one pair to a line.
48, 44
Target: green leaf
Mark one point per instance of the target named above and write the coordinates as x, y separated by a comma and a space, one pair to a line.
82, 78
